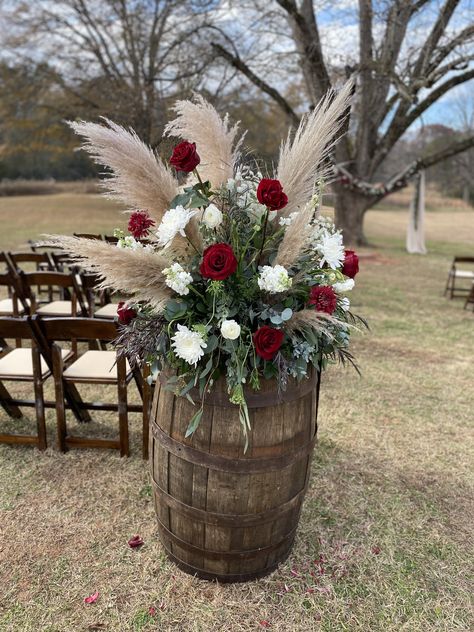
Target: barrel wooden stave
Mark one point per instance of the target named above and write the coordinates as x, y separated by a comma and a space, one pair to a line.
230, 550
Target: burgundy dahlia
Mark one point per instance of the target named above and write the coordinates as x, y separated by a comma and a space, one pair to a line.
139, 224
323, 298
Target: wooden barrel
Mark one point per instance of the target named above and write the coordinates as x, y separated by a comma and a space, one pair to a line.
223, 514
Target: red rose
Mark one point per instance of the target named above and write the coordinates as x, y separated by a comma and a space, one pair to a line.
350, 267
218, 262
139, 224
185, 157
270, 193
267, 341
125, 314
323, 298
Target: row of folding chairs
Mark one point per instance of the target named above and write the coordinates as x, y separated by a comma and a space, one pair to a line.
460, 282
45, 358
52, 289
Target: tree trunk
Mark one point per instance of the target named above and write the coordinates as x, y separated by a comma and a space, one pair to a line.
350, 208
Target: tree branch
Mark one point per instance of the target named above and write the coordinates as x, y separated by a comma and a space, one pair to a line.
240, 65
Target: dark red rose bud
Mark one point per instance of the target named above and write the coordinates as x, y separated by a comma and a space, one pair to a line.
350, 267
270, 193
139, 224
135, 542
185, 157
323, 298
218, 262
267, 341
125, 313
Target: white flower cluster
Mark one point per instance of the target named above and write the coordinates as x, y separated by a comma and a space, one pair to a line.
174, 221
230, 329
212, 216
286, 221
331, 250
188, 345
344, 286
274, 279
178, 279
128, 242
322, 224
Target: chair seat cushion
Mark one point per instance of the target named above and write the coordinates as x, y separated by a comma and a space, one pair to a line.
465, 274
6, 307
94, 365
107, 311
56, 308
19, 363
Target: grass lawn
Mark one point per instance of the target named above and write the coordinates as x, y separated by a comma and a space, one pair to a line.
384, 541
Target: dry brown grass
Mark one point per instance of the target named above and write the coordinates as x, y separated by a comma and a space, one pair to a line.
389, 508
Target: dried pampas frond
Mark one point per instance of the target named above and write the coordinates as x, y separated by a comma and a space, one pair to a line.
296, 238
300, 163
319, 321
216, 141
136, 272
140, 179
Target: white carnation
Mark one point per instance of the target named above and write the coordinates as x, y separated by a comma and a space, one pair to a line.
331, 249
188, 345
178, 279
212, 216
230, 329
345, 303
274, 279
344, 286
174, 221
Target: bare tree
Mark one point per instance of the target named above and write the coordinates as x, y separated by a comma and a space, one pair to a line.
408, 58
119, 58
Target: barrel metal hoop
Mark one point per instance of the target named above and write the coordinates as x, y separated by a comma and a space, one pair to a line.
257, 400
229, 520
226, 555
228, 464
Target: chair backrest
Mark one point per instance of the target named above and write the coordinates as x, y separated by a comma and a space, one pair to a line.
17, 258
463, 260
52, 279
12, 283
111, 239
83, 329
17, 328
89, 236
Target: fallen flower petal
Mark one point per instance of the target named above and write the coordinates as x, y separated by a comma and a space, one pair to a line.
376, 550
135, 542
92, 598
265, 623
152, 611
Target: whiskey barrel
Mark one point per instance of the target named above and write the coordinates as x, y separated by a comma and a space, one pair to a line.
223, 514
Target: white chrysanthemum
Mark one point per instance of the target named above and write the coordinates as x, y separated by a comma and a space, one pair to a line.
230, 329
345, 303
344, 286
212, 216
274, 279
188, 345
178, 279
286, 221
331, 249
174, 221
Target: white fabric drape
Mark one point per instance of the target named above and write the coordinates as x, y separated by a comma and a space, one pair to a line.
416, 223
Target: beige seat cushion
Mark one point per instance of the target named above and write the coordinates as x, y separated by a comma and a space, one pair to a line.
6, 307
107, 311
465, 274
94, 365
56, 308
19, 363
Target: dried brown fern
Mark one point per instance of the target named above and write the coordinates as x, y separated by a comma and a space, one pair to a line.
136, 272
139, 178
216, 141
300, 165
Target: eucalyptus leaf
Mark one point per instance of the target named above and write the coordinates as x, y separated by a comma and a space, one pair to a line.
194, 423
287, 313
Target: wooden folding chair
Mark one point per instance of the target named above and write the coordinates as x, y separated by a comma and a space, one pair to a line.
98, 302
455, 274
15, 302
89, 236
92, 367
66, 283
24, 365
470, 298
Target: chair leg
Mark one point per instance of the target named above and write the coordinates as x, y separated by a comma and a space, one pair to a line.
147, 393
11, 409
59, 392
39, 400
122, 407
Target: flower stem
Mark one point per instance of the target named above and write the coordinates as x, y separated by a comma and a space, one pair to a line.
263, 236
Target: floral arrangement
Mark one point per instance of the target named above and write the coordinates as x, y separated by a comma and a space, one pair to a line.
229, 272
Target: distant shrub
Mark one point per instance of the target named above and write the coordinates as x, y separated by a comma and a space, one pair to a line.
20, 186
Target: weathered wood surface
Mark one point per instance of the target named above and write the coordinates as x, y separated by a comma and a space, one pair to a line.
223, 514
